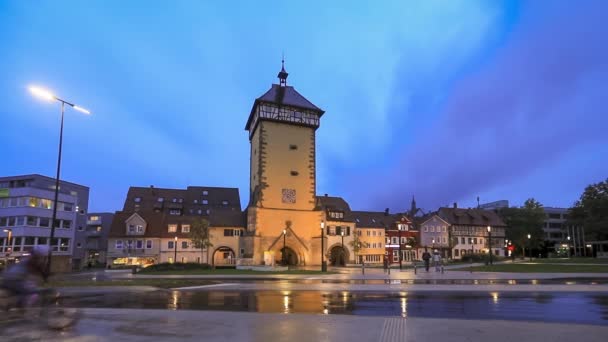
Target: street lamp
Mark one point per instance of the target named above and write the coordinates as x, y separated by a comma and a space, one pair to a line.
529, 247
175, 250
8, 242
490, 243
400, 227
323, 264
283, 253
568, 246
44, 94
343, 251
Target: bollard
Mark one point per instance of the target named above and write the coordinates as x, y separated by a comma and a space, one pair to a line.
415, 271
363, 268
441, 269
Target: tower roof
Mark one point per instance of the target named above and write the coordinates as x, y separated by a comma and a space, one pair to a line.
283, 95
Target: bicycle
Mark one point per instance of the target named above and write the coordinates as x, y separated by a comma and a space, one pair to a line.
43, 307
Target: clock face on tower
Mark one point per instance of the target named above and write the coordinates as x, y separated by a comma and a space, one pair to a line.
289, 196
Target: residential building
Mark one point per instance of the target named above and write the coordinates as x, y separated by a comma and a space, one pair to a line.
154, 226
340, 238
371, 227
403, 237
96, 237
26, 210
435, 235
468, 231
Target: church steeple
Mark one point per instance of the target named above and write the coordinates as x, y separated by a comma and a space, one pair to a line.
283, 74
413, 209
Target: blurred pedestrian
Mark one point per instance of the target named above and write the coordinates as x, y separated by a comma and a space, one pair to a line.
437, 260
426, 256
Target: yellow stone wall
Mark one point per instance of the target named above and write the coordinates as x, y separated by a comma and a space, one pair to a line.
277, 160
303, 235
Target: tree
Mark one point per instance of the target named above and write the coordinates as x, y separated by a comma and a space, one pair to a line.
201, 236
591, 212
355, 244
525, 220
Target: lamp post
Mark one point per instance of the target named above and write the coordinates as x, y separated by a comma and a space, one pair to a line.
343, 250
490, 243
530, 247
323, 265
42, 93
8, 243
283, 253
568, 246
399, 227
175, 250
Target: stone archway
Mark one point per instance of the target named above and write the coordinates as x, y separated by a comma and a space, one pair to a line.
288, 257
223, 256
338, 256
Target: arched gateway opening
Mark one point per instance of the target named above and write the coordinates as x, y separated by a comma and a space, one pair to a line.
288, 257
223, 256
338, 256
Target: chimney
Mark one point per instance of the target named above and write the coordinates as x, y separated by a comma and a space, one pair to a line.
325, 195
386, 212
455, 205
151, 186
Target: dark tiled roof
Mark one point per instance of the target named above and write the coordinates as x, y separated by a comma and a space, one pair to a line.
332, 203
470, 217
372, 219
287, 96
283, 96
215, 198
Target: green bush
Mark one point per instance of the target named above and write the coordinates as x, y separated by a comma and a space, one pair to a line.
480, 257
178, 266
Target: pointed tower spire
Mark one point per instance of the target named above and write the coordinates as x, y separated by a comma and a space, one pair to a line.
413, 208
283, 74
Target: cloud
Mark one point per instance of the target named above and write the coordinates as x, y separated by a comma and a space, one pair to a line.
540, 96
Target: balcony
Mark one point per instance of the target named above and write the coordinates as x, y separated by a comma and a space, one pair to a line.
94, 222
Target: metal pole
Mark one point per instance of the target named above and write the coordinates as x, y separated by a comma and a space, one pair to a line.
55, 203
175, 251
322, 248
283, 254
342, 235
490, 244
400, 258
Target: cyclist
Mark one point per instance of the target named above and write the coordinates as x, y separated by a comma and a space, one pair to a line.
18, 279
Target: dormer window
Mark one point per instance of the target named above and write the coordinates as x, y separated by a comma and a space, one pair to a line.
174, 200
180, 200
205, 192
135, 229
161, 199
137, 199
175, 212
336, 214
224, 202
195, 201
205, 201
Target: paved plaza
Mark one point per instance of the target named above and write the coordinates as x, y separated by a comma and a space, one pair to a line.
166, 325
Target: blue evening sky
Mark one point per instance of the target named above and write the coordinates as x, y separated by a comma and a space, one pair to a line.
444, 100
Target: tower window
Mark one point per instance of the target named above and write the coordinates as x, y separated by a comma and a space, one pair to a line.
294, 173
293, 147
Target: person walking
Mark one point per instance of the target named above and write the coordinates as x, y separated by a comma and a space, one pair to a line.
426, 256
437, 260
385, 264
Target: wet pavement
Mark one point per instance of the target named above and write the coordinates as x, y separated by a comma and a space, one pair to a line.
565, 307
221, 326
